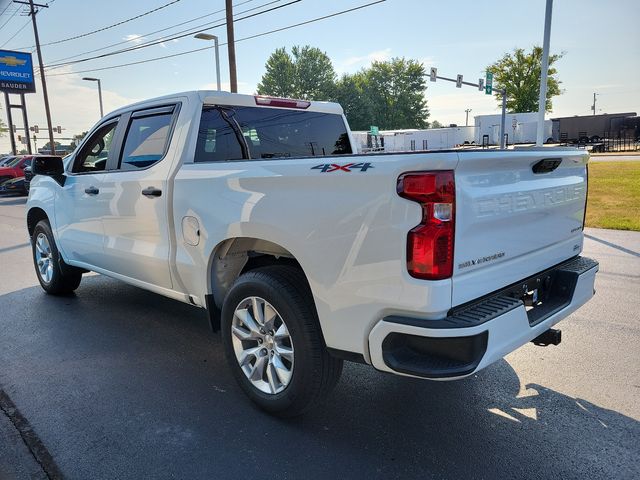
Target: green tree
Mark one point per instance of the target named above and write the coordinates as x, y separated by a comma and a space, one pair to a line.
306, 73
395, 91
436, 124
519, 72
350, 93
279, 78
77, 139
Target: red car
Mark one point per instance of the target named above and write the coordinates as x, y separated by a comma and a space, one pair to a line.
15, 168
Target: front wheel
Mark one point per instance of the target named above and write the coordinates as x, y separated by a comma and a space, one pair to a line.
273, 342
54, 275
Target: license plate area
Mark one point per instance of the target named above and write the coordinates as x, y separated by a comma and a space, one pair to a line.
545, 293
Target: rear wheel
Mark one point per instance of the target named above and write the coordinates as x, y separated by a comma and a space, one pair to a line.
54, 275
273, 342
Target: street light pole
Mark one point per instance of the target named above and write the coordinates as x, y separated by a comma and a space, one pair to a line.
91, 79
542, 100
207, 36
466, 122
594, 103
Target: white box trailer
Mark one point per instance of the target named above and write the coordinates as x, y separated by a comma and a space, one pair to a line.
414, 140
521, 128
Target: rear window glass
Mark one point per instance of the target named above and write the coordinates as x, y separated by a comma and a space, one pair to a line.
146, 141
269, 133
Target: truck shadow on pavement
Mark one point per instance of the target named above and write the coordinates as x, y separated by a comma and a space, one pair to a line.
122, 383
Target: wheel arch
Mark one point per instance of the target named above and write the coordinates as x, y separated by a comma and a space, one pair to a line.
233, 257
35, 215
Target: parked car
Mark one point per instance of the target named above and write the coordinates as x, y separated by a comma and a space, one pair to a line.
14, 185
6, 159
428, 264
15, 168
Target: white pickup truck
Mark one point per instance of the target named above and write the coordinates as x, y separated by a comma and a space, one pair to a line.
305, 254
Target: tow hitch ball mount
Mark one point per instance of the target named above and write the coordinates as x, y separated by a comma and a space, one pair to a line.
550, 337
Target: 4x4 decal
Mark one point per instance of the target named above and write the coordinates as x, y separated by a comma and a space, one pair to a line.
334, 167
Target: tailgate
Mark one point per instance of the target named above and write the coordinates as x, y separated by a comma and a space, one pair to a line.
512, 222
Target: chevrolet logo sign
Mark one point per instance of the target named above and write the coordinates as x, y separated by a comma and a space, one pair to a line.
12, 61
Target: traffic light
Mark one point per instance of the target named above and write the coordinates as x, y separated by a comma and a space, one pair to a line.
59, 129
20, 138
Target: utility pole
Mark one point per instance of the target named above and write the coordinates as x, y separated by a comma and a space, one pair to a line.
593, 107
503, 119
542, 100
231, 46
466, 122
32, 13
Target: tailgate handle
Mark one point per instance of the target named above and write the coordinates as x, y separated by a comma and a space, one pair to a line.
546, 165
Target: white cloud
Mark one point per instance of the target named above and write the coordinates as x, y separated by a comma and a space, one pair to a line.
354, 63
74, 106
134, 38
377, 56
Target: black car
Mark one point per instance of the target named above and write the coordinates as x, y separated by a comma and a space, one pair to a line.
14, 185
27, 176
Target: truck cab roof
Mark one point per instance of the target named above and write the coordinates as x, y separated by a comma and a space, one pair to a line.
217, 97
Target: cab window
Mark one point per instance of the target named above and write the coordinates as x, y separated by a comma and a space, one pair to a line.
95, 152
146, 141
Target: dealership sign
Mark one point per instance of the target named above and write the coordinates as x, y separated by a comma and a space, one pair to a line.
16, 72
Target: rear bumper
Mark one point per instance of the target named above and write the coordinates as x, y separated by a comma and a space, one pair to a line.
477, 334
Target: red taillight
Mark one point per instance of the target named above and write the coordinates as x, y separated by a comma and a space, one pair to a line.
282, 102
430, 244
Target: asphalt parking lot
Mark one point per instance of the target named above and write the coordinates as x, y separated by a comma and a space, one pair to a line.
116, 382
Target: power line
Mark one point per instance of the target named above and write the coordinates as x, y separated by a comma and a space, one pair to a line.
5, 8
16, 34
9, 19
221, 44
163, 30
56, 42
167, 39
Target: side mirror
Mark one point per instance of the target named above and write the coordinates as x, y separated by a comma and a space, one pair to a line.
49, 166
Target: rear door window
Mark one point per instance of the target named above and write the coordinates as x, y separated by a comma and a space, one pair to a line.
269, 133
146, 140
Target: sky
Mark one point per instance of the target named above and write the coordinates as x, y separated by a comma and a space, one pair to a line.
600, 41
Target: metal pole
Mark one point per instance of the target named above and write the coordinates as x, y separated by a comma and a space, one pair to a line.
25, 121
217, 62
42, 77
466, 121
542, 100
100, 96
503, 118
594, 103
10, 121
231, 46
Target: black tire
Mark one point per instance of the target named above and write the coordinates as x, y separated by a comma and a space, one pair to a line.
315, 372
64, 278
